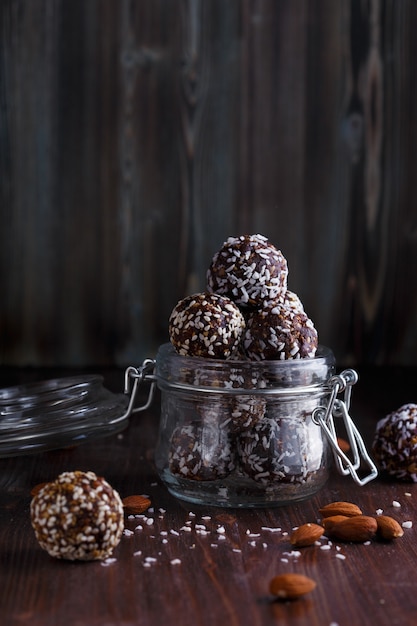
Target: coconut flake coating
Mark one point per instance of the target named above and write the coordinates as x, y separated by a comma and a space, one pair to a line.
201, 452
78, 516
277, 332
395, 443
290, 300
249, 270
281, 450
206, 325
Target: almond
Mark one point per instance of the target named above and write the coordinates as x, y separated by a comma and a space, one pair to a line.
134, 505
359, 529
328, 522
388, 528
291, 586
348, 509
343, 444
306, 535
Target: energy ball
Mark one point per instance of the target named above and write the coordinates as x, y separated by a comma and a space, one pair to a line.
78, 516
201, 452
206, 325
287, 449
395, 443
249, 270
277, 332
292, 301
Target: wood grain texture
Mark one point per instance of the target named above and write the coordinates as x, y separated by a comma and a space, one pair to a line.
217, 581
137, 136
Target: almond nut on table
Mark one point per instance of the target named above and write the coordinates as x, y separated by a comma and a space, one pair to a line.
291, 586
135, 505
360, 528
388, 528
306, 535
348, 509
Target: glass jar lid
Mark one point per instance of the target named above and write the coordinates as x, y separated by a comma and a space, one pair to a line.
58, 413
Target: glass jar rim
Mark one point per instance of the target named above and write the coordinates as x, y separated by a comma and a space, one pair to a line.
243, 376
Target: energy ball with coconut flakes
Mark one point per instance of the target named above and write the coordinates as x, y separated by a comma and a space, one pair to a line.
277, 332
249, 270
78, 516
395, 443
206, 325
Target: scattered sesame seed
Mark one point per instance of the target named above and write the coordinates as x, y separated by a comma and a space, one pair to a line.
407, 524
396, 504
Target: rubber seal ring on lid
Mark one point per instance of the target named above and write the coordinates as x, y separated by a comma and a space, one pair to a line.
336, 408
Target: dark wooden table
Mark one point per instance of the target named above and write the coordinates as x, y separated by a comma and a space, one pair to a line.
164, 575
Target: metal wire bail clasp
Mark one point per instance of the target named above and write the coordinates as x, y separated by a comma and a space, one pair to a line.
323, 416
139, 375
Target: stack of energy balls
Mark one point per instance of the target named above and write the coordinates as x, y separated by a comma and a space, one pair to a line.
247, 310
245, 315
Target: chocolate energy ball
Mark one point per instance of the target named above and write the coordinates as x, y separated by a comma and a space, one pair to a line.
234, 412
206, 325
287, 449
249, 270
395, 443
201, 452
291, 301
277, 332
78, 516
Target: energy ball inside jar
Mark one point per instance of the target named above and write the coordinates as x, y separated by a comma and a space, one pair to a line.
280, 450
201, 452
395, 443
249, 270
276, 332
206, 325
78, 516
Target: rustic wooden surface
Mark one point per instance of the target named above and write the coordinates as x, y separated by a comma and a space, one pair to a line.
137, 136
217, 581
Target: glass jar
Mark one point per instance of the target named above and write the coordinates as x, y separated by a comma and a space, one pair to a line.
245, 433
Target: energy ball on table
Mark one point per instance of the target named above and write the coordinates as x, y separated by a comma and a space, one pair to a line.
395, 443
249, 270
78, 516
206, 325
276, 332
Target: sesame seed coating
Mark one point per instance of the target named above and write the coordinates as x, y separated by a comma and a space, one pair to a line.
249, 270
78, 516
395, 443
206, 325
277, 332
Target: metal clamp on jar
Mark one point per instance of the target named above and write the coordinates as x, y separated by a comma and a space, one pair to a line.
246, 434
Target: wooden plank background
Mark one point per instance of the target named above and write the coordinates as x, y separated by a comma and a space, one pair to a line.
137, 135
